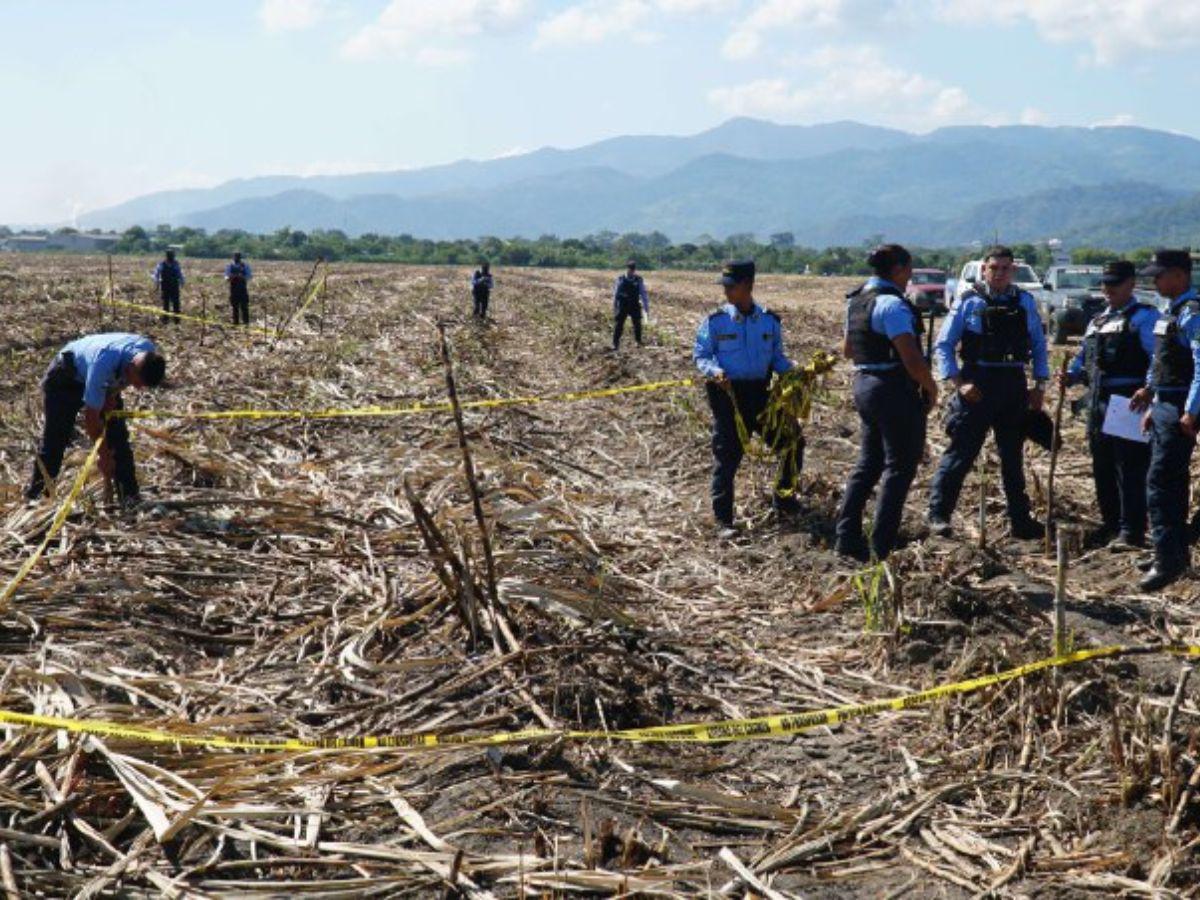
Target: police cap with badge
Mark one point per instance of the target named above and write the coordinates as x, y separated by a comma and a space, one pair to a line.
736, 272
1168, 259
1118, 271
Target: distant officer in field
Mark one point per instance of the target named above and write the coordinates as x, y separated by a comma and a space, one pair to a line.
168, 275
737, 348
1000, 332
238, 274
481, 289
1172, 403
1115, 359
629, 299
90, 373
893, 392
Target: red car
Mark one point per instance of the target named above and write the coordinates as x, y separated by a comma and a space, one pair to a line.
927, 291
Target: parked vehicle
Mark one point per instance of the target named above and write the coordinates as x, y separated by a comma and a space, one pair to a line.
1071, 298
927, 291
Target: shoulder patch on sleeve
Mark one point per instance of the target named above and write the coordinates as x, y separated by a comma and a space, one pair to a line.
716, 314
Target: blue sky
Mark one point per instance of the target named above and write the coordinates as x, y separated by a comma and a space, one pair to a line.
105, 101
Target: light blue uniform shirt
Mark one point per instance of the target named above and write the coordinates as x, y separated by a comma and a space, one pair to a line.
162, 264
1188, 336
890, 317
100, 361
1142, 322
247, 274
642, 294
967, 315
740, 347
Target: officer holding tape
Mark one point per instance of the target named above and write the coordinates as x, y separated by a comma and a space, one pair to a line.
91, 372
1115, 359
1171, 399
736, 350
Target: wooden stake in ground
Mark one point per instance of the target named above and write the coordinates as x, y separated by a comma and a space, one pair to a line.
287, 318
469, 467
983, 499
203, 313
1054, 433
1060, 596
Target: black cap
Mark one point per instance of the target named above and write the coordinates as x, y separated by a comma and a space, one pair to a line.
631, 263
1117, 271
1169, 259
737, 272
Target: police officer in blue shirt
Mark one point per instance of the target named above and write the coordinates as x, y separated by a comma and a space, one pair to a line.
168, 275
238, 274
481, 289
1172, 403
893, 392
737, 348
629, 299
89, 373
1115, 359
1000, 331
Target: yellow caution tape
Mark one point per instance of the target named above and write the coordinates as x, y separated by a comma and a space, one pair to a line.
317, 288
200, 320
56, 525
723, 731
358, 412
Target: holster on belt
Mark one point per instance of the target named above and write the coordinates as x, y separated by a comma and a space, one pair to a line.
61, 373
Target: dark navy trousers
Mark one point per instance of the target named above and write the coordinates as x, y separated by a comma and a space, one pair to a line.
481, 298
1167, 485
627, 309
727, 445
63, 403
1001, 410
893, 420
239, 300
170, 303
1119, 470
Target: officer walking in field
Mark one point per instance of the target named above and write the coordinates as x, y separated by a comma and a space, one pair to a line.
736, 350
1172, 403
629, 299
1000, 331
238, 274
168, 275
893, 392
481, 289
1115, 359
90, 373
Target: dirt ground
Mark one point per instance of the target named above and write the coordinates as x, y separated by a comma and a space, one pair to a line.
279, 581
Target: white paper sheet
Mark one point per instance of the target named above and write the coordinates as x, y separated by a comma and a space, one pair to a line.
1121, 421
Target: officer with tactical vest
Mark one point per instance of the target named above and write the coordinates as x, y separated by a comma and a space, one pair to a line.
1000, 331
481, 289
1115, 359
736, 350
893, 392
1171, 400
168, 275
238, 274
629, 299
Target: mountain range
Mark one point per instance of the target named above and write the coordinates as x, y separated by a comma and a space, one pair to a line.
836, 183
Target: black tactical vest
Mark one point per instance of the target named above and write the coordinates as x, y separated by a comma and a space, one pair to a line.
1112, 346
237, 271
1005, 337
629, 290
867, 346
168, 278
1173, 367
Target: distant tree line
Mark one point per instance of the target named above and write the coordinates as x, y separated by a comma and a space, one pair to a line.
604, 250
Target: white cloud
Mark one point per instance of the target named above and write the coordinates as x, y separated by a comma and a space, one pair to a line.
291, 15
592, 22
433, 33
852, 82
1031, 115
1120, 120
1115, 29
742, 44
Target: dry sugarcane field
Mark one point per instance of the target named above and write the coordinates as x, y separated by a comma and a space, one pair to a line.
336, 578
